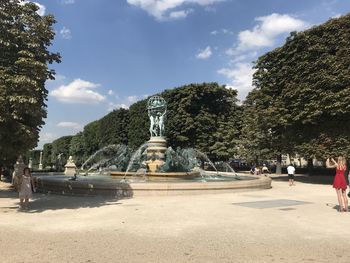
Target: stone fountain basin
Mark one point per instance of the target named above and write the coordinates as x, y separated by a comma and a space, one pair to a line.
156, 176
107, 186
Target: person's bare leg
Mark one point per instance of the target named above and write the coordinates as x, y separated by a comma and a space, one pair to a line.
345, 200
21, 202
339, 195
26, 203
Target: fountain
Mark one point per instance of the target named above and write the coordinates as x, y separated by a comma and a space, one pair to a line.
154, 168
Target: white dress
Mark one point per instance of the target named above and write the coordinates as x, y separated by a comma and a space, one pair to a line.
26, 188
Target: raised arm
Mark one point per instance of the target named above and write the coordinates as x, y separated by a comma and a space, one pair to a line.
331, 163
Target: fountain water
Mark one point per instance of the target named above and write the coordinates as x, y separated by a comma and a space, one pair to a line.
152, 168
116, 155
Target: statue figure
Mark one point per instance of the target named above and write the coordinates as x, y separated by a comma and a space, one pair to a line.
152, 128
156, 107
161, 123
59, 162
70, 160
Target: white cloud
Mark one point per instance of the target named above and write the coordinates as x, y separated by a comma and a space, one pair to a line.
42, 9
179, 14
223, 31
70, 125
78, 91
132, 99
166, 9
240, 76
124, 102
47, 137
204, 53
113, 106
249, 43
66, 33
269, 27
67, 2
110, 92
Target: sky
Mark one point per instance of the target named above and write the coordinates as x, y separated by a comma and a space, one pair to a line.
116, 52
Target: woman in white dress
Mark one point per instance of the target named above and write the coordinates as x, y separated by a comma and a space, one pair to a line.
25, 188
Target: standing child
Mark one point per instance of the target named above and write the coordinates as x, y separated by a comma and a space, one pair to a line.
25, 188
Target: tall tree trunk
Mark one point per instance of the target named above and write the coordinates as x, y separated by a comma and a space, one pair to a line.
279, 164
310, 166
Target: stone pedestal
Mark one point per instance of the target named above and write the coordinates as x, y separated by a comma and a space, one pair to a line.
70, 167
40, 161
156, 153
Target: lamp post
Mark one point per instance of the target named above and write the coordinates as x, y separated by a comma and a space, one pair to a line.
40, 161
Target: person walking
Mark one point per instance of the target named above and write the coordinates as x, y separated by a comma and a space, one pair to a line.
291, 172
339, 182
25, 185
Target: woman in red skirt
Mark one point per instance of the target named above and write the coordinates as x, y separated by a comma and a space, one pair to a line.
339, 182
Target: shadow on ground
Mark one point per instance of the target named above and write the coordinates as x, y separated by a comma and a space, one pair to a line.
308, 179
43, 202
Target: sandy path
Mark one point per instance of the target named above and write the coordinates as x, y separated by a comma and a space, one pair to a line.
201, 228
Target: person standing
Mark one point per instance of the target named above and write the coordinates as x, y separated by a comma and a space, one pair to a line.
339, 182
291, 172
25, 188
264, 169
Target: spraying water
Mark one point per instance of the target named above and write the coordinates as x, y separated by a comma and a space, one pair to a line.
205, 157
114, 154
135, 158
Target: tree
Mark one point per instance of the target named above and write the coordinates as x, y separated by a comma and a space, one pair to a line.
91, 138
47, 153
113, 128
76, 149
302, 93
24, 59
60, 150
198, 115
138, 124
204, 116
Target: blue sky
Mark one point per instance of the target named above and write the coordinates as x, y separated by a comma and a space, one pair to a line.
115, 52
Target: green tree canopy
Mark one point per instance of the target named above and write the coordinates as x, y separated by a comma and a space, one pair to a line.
113, 128
204, 116
24, 59
302, 92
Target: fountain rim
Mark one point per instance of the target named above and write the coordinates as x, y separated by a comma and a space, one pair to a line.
157, 174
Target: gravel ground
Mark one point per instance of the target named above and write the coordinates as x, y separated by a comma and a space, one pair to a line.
199, 228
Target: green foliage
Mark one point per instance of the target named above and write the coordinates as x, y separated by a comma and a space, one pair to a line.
113, 128
76, 149
204, 116
60, 146
91, 138
200, 116
138, 124
302, 94
24, 55
35, 156
47, 153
